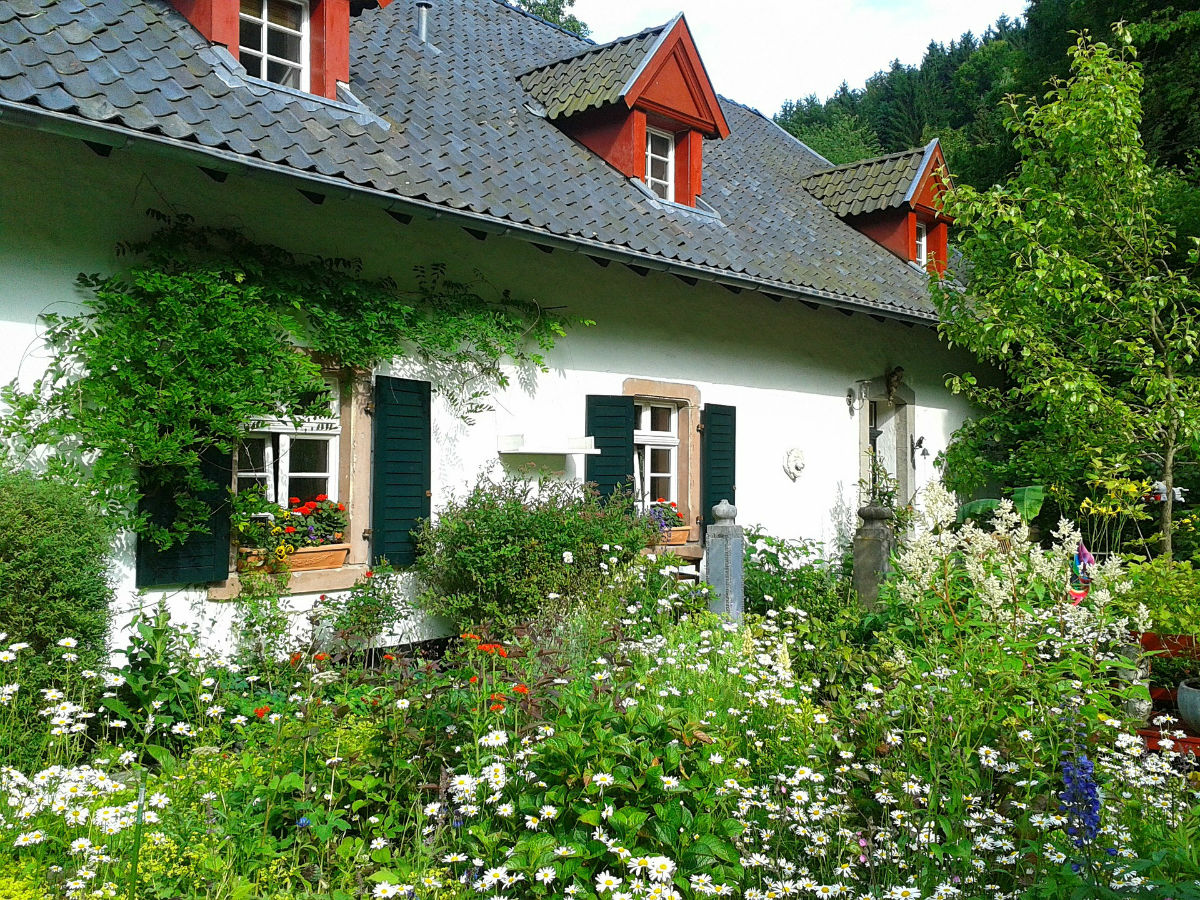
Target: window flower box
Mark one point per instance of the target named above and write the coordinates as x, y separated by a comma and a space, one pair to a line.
673, 537
304, 559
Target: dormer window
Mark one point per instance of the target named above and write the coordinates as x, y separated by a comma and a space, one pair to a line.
643, 103
660, 163
273, 41
921, 253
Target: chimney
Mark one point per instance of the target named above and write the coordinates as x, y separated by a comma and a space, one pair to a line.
423, 7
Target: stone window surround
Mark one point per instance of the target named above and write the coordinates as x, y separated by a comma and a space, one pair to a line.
354, 488
687, 396
903, 409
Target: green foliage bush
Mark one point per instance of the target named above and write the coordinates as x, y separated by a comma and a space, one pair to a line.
53, 569
1170, 591
496, 557
780, 572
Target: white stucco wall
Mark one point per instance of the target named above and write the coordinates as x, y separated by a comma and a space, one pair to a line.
785, 366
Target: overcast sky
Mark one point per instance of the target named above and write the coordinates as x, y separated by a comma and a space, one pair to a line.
762, 52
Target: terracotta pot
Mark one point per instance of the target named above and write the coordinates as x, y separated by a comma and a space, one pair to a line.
1189, 704
673, 537
1164, 695
305, 559
1170, 644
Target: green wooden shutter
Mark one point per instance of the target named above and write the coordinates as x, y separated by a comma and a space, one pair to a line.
718, 457
202, 558
610, 421
402, 473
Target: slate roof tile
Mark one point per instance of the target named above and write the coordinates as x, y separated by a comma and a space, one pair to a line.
461, 135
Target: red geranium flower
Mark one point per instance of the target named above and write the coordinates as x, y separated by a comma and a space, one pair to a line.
289, 529
293, 501
341, 507
369, 574
321, 498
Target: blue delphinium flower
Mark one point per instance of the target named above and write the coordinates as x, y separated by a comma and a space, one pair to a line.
1080, 800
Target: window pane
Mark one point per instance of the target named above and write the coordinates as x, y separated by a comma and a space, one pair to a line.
308, 456
244, 482
660, 418
288, 76
659, 189
289, 15
660, 488
658, 169
660, 145
252, 62
308, 488
660, 461
250, 36
252, 8
280, 43
252, 455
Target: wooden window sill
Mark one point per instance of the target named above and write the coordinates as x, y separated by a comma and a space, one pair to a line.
313, 582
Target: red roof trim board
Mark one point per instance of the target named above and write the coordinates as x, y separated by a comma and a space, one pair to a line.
672, 64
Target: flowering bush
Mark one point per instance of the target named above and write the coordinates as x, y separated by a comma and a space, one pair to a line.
500, 554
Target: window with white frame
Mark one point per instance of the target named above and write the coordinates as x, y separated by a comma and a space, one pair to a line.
922, 252
293, 462
273, 41
660, 163
656, 452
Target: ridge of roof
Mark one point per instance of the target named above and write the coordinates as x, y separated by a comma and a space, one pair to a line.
928, 155
544, 21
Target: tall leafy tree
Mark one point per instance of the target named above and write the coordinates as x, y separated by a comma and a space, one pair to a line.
1073, 297
558, 12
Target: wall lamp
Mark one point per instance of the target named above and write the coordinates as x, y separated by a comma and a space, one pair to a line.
856, 396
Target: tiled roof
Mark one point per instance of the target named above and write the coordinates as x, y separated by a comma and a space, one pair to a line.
451, 129
592, 77
870, 185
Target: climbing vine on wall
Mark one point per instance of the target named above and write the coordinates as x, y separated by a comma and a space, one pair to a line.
170, 359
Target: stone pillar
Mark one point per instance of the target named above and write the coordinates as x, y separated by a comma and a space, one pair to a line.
873, 543
724, 551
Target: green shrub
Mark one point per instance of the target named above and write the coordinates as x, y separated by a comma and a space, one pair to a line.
781, 572
53, 579
1170, 590
497, 556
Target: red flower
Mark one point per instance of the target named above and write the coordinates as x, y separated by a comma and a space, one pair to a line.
311, 504
321, 657
369, 574
295, 658
520, 689
473, 679
341, 507
262, 711
389, 657
673, 503
293, 501
289, 529
497, 707
321, 498
496, 697
304, 511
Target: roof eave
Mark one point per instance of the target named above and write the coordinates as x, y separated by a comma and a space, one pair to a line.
116, 136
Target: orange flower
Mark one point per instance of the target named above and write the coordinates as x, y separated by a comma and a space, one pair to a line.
473, 679
497, 707
520, 689
496, 697
321, 657
295, 658
389, 657
467, 636
262, 711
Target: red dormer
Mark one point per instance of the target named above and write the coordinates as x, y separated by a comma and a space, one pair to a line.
301, 44
895, 200
644, 103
